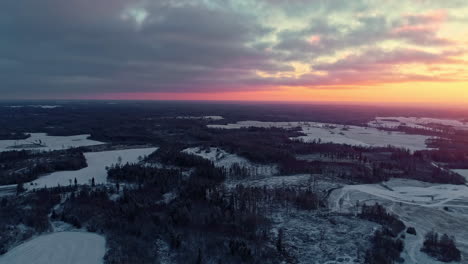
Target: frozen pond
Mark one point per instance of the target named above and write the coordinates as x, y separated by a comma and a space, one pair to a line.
97, 162
59, 248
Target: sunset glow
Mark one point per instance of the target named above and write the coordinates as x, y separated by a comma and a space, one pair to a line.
410, 93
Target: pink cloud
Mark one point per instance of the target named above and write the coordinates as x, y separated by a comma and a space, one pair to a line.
314, 39
431, 17
422, 28
375, 67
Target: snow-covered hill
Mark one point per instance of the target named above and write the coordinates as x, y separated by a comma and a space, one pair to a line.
44, 142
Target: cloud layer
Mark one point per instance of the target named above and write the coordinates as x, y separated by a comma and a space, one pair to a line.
55, 48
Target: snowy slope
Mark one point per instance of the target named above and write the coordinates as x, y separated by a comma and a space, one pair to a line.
221, 158
341, 134
463, 173
41, 141
97, 162
59, 248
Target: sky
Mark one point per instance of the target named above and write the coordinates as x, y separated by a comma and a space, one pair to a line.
368, 51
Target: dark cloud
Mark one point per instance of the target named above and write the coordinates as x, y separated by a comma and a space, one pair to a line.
122, 46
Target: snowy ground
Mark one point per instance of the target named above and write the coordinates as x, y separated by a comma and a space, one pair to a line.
59, 248
41, 141
224, 159
317, 239
97, 162
323, 158
274, 181
341, 134
415, 122
463, 173
425, 206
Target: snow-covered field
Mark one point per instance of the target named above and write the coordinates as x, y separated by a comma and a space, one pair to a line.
97, 162
341, 134
416, 122
59, 248
425, 206
463, 173
41, 141
221, 158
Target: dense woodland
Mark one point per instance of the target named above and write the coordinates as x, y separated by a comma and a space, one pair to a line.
386, 243
441, 247
233, 224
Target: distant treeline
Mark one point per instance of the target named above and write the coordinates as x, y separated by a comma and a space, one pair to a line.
441, 247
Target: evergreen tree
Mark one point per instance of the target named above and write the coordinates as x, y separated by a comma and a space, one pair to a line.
19, 188
199, 257
279, 241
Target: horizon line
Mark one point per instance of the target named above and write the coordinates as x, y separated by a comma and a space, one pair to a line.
458, 106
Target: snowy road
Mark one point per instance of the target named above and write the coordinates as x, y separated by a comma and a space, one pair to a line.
427, 196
